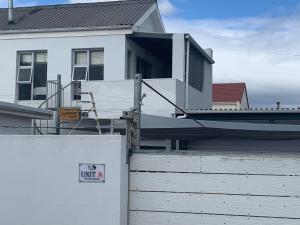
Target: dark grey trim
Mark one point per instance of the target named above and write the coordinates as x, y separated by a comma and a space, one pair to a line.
151, 35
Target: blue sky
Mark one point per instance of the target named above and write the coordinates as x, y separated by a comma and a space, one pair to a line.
224, 9
254, 41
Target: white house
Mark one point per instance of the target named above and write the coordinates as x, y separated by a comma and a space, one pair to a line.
99, 47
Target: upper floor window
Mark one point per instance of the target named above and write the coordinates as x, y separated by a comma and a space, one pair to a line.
32, 75
88, 65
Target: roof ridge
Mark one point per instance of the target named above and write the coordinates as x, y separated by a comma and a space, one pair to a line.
85, 4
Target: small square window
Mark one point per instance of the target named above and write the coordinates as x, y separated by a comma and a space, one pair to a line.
96, 57
24, 75
80, 73
41, 57
25, 59
81, 58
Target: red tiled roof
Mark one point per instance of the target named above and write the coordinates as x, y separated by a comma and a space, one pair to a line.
228, 92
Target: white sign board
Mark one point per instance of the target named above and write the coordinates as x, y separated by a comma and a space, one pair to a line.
92, 173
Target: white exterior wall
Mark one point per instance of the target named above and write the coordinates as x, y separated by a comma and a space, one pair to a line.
226, 105
40, 180
59, 47
210, 188
244, 102
178, 66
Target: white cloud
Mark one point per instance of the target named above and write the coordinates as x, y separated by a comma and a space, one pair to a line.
239, 45
166, 7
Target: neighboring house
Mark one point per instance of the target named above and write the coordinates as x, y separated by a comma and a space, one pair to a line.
99, 47
230, 96
17, 119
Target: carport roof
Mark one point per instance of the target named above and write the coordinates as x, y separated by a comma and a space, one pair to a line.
24, 111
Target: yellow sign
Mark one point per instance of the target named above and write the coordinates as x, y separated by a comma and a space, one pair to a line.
70, 114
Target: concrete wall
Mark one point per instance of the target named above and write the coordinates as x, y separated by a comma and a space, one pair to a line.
59, 47
114, 97
12, 122
40, 180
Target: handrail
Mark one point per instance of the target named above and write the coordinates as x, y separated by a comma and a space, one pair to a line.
53, 95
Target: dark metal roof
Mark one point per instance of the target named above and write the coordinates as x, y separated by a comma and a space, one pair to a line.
270, 116
83, 15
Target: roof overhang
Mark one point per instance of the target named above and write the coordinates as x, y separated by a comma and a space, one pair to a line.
170, 36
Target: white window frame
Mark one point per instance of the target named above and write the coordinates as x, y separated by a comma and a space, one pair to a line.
87, 66
33, 52
25, 67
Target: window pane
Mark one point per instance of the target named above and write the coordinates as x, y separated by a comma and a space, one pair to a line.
80, 73
96, 57
40, 75
24, 92
81, 58
41, 57
24, 75
96, 72
25, 59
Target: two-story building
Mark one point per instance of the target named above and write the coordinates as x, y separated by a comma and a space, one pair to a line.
99, 47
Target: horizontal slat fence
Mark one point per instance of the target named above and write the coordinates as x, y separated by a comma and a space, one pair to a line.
214, 189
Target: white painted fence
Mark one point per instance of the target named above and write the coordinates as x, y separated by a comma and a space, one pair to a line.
258, 189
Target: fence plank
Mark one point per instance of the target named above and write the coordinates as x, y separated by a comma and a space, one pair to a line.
285, 207
216, 183
256, 164
157, 218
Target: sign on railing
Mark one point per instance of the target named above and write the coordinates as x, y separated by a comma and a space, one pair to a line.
70, 114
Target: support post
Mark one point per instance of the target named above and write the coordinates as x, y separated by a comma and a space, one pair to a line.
58, 104
137, 110
187, 72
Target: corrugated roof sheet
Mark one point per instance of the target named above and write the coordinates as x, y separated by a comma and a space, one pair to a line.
84, 15
228, 92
